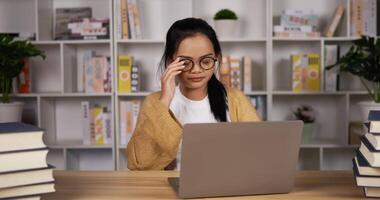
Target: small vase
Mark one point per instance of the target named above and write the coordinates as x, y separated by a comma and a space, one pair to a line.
226, 28
11, 112
307, 133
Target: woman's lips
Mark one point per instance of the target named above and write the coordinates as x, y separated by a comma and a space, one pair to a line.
196, 79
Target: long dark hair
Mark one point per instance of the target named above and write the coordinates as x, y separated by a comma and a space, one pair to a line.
189, 27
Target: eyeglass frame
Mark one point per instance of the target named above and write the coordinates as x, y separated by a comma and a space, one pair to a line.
199, 62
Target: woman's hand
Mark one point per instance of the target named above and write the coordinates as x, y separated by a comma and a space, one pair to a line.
168, 81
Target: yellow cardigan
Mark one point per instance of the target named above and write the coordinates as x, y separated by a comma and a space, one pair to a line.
156, 139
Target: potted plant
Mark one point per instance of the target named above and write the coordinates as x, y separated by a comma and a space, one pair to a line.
12, 57
363, 60
225, 23
307, 115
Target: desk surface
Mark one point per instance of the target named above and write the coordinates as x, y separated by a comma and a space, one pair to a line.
75, 185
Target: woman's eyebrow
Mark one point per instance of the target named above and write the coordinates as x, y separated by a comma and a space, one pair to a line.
210, 54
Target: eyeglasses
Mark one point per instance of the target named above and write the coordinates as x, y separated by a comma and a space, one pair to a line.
205, 63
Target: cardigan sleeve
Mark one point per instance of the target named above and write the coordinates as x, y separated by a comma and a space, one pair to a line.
244, 109
156, 138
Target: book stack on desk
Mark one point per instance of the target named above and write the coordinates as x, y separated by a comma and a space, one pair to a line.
24, 172
367, 160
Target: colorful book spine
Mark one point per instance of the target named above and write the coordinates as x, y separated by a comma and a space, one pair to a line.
24, 78
124, 19
369, 18
335, 21
86, 122
124, 74
247, 65
280, 28
99, 64
298, 34
136, 19
299, 63
131, 21
123, 122
298, 19
107, 130
235, 72
97, 114
135, 113
313, 78
224, 71
89, 72
135, 78
107, 82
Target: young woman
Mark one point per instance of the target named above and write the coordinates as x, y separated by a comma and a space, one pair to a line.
192, 57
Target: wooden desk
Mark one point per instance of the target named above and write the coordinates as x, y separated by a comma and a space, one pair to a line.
72, 185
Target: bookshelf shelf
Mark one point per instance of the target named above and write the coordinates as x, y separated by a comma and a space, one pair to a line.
291, 93
78, 95
135, 94
54, 102
300, 39
245, 40
142, 41
255, 93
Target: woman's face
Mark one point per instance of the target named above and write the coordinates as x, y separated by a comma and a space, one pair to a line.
196, 51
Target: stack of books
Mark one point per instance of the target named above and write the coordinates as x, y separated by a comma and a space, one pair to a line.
23, 168
297, 23
366, 163
78, 23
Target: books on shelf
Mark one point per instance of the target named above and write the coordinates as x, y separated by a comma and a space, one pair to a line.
236, 72
364, 18
78, 23
331, 78
259, 103
23, 170
129, 23
335, 21
129, 111
297, 23
306, 72
128, 74
93, 73
89, 29
96, 124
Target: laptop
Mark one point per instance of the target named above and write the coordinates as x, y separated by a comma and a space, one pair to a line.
240, 158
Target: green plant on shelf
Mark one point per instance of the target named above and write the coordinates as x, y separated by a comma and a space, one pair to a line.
13, 53
225, 14
363, 60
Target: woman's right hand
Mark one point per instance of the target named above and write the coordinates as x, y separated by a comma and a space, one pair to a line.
168, 81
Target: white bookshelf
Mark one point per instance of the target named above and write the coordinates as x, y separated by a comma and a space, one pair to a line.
54, 103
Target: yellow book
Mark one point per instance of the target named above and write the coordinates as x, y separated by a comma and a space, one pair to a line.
97, 117
313, 78
124, 74
298, 63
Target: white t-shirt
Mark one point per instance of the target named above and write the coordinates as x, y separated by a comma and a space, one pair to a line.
189, 111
